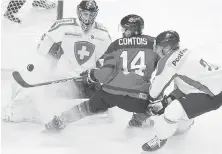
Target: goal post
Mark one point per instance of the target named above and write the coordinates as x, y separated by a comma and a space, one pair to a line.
60, 9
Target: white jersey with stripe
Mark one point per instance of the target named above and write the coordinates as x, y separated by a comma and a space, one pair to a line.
190, 73
79, 50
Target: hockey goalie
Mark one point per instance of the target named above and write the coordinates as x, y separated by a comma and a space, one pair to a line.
15, 5
71, 46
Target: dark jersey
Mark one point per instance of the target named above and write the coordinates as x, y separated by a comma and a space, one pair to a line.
128, 66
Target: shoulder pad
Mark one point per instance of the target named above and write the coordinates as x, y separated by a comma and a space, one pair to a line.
150, 41
63, 22
112, 47
150, 38
99, 26
178, 58
172, 60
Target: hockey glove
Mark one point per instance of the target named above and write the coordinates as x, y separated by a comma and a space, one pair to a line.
157, 107
88, 76
89, 79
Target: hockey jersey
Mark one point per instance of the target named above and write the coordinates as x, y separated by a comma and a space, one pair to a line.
76, 50
128, 66
190, 73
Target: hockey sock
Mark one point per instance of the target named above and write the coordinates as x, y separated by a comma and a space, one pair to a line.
164, 128
76, 113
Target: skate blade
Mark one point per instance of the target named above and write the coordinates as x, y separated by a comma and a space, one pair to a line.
52, 131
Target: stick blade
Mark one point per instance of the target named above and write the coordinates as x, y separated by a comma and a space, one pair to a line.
16, 75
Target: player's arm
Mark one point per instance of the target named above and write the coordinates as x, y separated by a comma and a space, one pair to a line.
104, 40
100, 53
164, 75
50, 44
167, 70
49, 47
101, 75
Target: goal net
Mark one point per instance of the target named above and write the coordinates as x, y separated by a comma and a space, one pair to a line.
11, 8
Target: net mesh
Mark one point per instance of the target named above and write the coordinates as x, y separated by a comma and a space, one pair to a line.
11, 7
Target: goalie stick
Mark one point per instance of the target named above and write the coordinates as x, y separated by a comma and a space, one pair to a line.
18, 78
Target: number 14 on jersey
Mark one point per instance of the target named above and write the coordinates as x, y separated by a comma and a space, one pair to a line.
137, 64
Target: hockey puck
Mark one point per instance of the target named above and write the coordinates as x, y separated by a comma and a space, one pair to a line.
30, 67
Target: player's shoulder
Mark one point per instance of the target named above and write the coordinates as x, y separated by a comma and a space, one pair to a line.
149, 38
173, 60
150, 41
64, 22
112, 47
100, 27
178, 58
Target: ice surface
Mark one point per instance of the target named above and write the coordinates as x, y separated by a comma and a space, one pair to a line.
199, 24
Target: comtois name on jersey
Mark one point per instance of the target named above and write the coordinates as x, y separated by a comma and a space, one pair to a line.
133, 41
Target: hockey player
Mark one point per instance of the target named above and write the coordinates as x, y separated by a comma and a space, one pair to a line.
76, 44
15, 5
125, 76
200, 84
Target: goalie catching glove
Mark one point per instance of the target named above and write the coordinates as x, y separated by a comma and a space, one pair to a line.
90, 80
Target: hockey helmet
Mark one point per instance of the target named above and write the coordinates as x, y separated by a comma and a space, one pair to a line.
87, 11
166, 42
132, 25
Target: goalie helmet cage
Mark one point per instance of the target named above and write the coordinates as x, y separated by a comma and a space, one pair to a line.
12, 7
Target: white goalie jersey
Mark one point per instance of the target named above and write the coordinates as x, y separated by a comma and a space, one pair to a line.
75, 50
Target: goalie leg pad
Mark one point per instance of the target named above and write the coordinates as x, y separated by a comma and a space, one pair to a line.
21, 111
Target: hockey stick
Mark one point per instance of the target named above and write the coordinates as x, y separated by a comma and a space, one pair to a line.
18, 78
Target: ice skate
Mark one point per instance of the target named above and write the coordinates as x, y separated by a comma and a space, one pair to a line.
154, 144
55, 124
140, 121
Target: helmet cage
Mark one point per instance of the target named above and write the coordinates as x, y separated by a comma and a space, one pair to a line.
87, 14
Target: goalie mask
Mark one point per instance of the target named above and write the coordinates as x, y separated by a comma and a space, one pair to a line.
87, 11
132, 25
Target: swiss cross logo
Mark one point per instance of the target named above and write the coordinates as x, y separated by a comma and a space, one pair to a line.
83, 51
